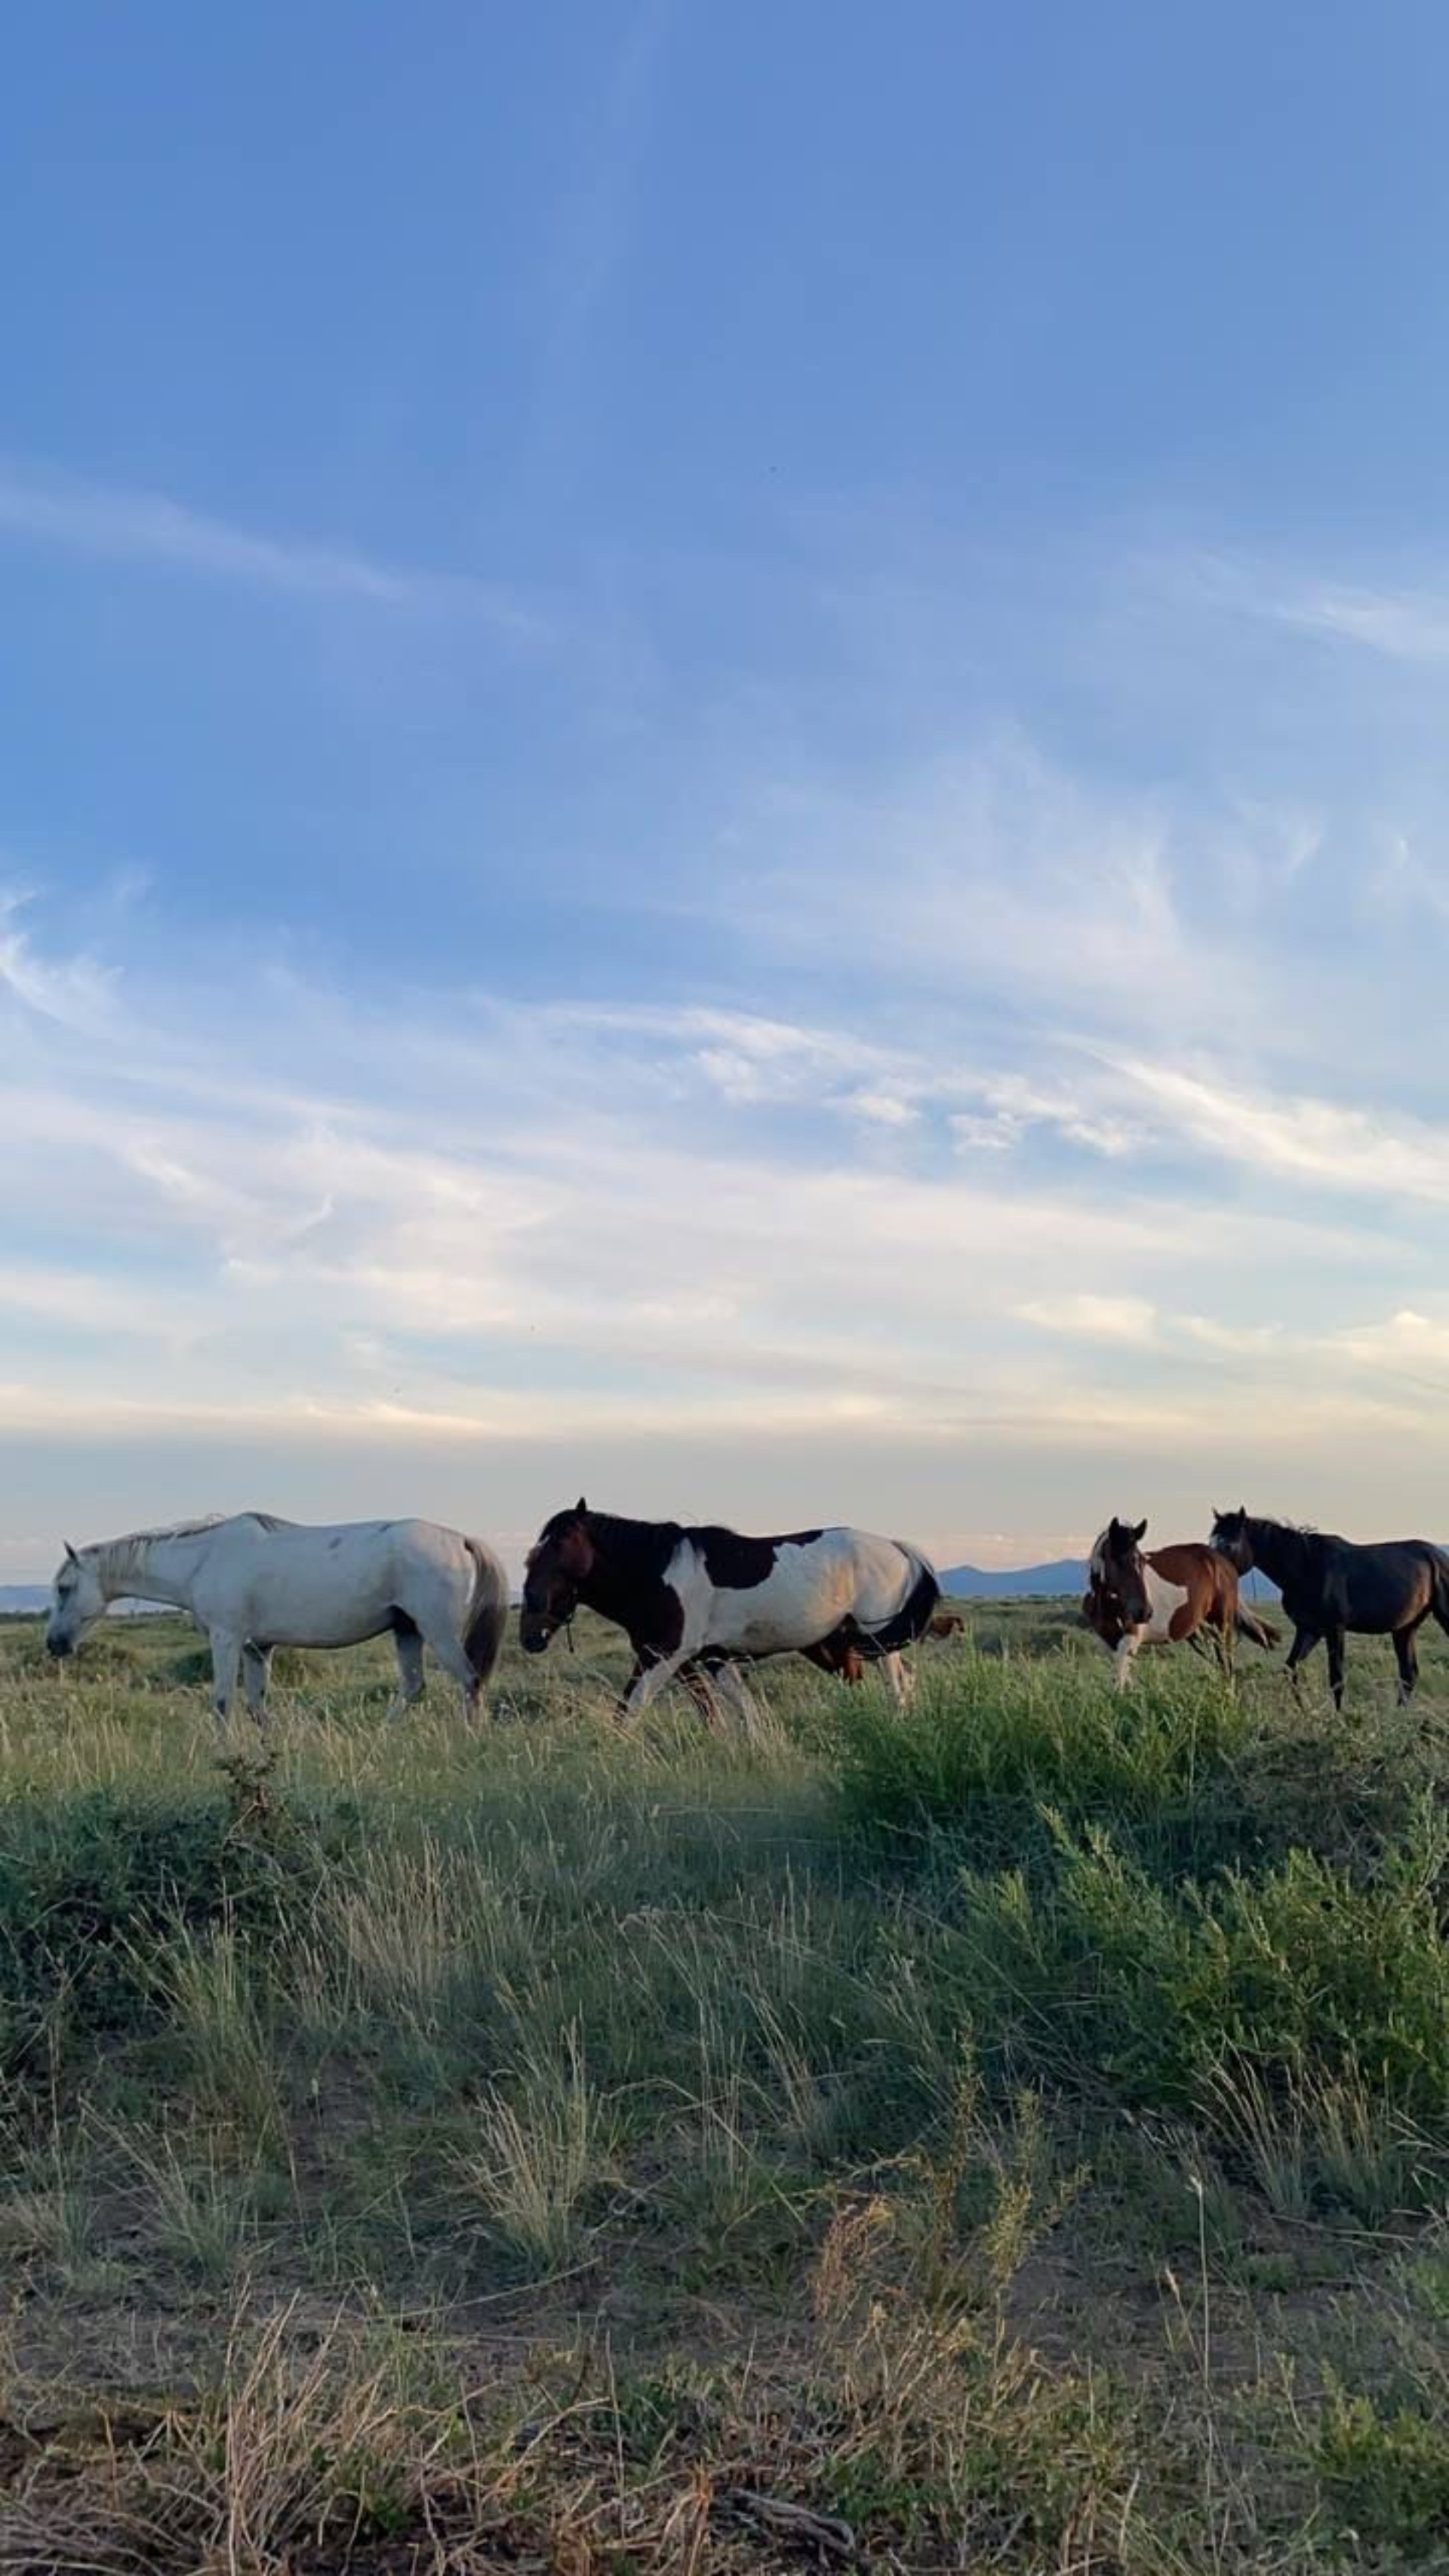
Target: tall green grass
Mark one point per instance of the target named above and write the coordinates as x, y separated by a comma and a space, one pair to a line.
860, 2026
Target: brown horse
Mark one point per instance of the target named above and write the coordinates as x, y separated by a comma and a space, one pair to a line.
848, 1663
1163, 1596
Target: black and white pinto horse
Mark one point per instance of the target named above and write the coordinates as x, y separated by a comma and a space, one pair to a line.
695, 1602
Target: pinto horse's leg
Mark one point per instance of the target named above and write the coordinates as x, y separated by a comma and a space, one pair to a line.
256, 1673
732, 1686
649, 1679
899, 1679
704, 1688
226, 1654
1124, 1657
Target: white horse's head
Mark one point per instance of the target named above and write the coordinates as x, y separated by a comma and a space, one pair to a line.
77, 1601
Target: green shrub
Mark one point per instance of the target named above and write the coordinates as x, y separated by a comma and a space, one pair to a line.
1385, 2476
89, 1885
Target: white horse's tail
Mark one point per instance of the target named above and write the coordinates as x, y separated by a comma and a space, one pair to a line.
487, 1611
913, 1617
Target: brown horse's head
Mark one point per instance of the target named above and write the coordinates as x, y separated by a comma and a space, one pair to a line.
1233, 1539
558, 1567
1119, 1579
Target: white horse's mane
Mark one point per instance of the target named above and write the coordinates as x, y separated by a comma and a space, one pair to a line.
126, 1550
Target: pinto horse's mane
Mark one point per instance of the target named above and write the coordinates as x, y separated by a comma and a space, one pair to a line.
637, 1546
645, 1548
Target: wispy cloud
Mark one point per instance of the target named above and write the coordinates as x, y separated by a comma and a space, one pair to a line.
1403, 622
75, 991
592, 229
1129, 1320
1409, 627
1328, 1143
41, 508
740, 1256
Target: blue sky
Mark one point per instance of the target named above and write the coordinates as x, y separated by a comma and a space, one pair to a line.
723, 766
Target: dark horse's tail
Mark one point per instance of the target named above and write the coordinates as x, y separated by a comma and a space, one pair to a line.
913, 1617
1261, 1631
1440, 1603
487, 1611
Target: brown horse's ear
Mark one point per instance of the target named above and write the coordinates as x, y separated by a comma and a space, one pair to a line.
1139, 1533
581, 1508
1242, 1511
70, 1552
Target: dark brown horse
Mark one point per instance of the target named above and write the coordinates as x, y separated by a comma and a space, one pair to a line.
1165, 1596
1332, 1588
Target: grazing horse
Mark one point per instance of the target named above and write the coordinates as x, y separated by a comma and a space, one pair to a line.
848, 1664
254, 1582
1157, 1597
692, 1598
1332, 1588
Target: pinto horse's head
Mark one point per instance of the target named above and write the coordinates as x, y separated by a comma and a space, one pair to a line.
1119, 1578
1233, 1539
559, 1564
76, 1603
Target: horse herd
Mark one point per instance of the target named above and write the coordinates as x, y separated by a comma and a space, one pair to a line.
699, 1603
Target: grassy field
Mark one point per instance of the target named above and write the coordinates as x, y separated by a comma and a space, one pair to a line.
1015, 2136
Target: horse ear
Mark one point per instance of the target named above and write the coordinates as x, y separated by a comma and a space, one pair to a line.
1140, 1532
581, 1507
1242, 1511
70, 1552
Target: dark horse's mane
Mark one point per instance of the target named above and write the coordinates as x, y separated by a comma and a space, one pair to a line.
1292, 1545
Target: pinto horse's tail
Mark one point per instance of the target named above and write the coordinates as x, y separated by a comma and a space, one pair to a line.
487, 1611
1261, 1631
914, 1615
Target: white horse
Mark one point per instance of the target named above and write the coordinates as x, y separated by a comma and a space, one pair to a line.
254, 1582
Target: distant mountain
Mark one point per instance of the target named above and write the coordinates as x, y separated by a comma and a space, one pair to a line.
26, 1600
1065, 1574
1017, 1583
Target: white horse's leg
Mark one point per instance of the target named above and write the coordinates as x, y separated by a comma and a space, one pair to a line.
256, 1673
1124, 1658
226, 1652
452, 1655
410, 1676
